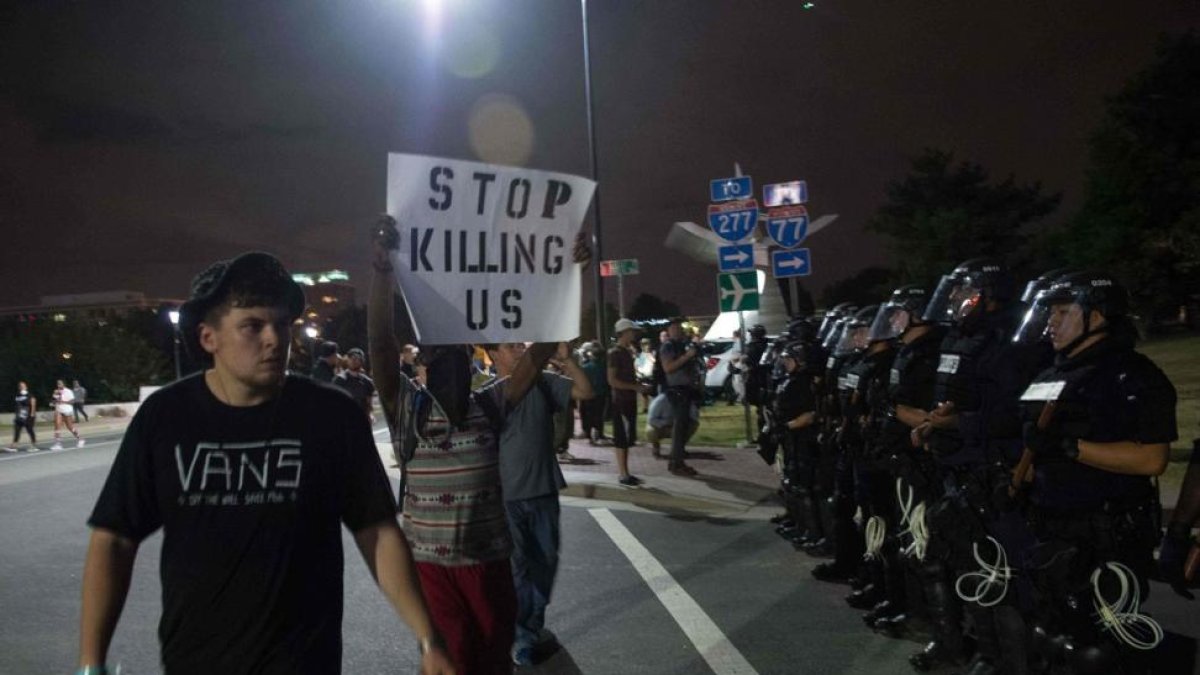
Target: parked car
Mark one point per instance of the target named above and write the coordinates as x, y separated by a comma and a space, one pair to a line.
718, 378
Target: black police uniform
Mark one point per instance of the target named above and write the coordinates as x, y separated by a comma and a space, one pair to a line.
794, 397
1085, 517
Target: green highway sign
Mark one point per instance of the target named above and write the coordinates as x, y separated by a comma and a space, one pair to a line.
738, 291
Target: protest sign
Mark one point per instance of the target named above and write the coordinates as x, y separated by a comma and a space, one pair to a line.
485, 251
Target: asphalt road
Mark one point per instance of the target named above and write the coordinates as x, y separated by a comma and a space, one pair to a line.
630, 578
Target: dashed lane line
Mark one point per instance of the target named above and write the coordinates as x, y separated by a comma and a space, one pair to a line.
714, 647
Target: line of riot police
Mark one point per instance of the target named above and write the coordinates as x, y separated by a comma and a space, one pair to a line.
978, 465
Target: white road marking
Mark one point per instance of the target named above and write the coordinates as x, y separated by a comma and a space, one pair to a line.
708, 639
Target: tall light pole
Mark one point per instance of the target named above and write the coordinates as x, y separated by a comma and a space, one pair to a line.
173, 315
597, 256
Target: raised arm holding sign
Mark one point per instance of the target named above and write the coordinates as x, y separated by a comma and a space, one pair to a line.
482, 250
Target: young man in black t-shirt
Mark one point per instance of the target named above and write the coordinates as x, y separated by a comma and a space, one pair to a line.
249, 473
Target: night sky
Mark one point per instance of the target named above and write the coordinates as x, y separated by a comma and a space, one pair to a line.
141, 141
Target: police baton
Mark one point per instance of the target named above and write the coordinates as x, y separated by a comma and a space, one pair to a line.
1021, 473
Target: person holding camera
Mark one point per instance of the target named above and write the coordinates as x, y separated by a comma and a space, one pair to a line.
677, 356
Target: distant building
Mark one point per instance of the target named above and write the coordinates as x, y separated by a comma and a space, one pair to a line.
325, 294
98, 307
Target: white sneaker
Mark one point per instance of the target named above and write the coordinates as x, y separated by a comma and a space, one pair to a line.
566, 456
79, 443
33, 448
10, 448
56, 446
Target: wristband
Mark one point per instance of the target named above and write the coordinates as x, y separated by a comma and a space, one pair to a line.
428, 644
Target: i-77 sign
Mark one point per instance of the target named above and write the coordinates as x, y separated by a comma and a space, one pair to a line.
738, 291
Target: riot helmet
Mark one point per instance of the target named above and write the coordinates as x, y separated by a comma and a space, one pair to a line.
856, 332
831, 316
1070, 301
758, 331
1033, 324
965, 292
1041, 283
796, 352
835, 333
801, 329
904, 309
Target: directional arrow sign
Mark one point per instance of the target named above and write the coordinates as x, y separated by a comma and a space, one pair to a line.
725, 189
794, 263
788, 225
733, 221
738, 291
735, 258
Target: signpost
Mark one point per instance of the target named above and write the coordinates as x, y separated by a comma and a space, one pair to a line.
780, 194
619, 269
738, 291
735, 258
791, 263
788, 225
726, 189
733, 221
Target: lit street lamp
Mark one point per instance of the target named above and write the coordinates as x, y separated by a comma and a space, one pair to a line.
173, 315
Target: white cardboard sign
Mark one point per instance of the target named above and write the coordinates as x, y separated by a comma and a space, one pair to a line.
486, 250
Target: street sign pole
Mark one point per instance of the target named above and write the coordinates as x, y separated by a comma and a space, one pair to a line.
794, 287
620, 294
745, 376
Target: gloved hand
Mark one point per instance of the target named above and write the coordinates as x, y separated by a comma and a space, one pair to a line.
1172, 555
1049, 445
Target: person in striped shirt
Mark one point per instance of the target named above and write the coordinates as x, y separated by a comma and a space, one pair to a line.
446, 436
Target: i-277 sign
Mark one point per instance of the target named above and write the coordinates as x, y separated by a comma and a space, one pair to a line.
733, 221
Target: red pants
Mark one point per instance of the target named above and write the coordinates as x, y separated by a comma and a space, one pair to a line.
474, 608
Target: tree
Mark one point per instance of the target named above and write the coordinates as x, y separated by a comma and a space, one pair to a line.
870, 286
109, 360
942, 214
647, 306
1140, 216
587, 320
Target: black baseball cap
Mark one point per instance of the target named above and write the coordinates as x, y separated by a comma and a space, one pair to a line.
210, 288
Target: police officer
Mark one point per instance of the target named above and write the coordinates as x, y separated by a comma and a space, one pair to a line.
848, 545
981, 374
910, 386
1099, 424
757, 378
867, 410
825, 384
795, 418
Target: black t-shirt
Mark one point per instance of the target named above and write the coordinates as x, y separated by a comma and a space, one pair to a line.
359, 385
250, 501
24, 406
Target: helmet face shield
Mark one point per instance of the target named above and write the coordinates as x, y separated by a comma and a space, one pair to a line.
890, 323
835, 333
939, 310
853, 339
1033, 325
965, 299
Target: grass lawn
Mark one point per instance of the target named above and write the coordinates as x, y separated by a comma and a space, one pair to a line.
723, 425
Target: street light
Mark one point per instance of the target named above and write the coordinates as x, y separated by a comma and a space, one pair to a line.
173, 315
597, 255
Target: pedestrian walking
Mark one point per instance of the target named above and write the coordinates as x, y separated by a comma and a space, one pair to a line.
325, 367
80, 400
530, 479
64, 411
252, 571
24, 417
